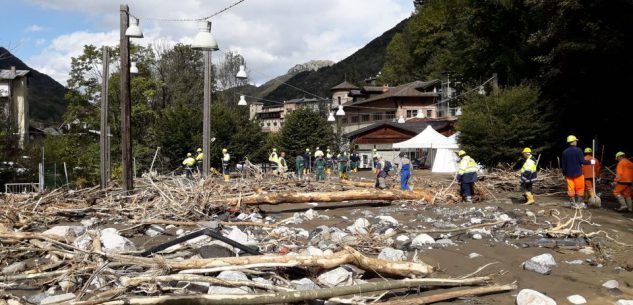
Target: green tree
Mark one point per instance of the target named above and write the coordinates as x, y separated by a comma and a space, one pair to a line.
305, 128
496, 127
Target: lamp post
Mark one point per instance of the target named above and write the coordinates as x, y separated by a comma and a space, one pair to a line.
205, 42
128, 28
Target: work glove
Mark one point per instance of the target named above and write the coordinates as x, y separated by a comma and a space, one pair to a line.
593, 161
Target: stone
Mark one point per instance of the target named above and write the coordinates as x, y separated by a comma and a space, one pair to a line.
392, 254
180, 232
111, 241
541, 264
474, 255
305, 284
83, 242
360, 226
533, 297
154, 230
504, 217
335, 277
88, 223
422, 240
475, 220
401, 240
310, 214
444, 242
389, 231
576, 299
302, 233
586, 251
388, 220
624, 302
574, 262
231, 276
14, 268
328, 252
530, 214
66, 231
476, 236
37, 298
314, 251
213, 251
611, 284
338, 236
58, 298
282, 231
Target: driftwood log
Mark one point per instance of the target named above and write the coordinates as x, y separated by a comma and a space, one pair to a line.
449, 295
299, 197
347, 256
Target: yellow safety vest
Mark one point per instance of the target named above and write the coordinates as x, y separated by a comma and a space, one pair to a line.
466, 165
189, 161
199, 157
529, 166
226, 157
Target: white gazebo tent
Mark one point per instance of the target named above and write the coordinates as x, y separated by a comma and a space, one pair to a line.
441, 149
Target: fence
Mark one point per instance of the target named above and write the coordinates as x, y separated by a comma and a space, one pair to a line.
21, 188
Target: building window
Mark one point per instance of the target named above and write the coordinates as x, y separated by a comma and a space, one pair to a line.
429, 113
390, 115
344, 120
412, 113
274, 123
354, 119
268, 124
365, 117
377, 116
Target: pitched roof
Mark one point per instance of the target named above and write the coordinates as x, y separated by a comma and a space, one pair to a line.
344, 86
412, 89
7, 74
413, 127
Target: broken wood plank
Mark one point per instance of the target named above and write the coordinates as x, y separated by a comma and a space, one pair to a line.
298, 197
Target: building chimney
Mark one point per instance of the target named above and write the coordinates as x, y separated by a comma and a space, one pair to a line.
385, 88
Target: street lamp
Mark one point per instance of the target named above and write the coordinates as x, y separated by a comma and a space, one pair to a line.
242, 73
133, 30
401, 120
340, 111
330, 117
205, 42
242, 101
133, 68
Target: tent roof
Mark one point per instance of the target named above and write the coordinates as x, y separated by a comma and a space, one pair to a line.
428, 138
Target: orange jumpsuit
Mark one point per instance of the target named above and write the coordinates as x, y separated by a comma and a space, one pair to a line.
623, 179
587, 171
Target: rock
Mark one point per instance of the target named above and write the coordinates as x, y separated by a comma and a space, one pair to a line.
574, 262
389, 231
444, 242
533, 297
360, 226
475, 220
37, 298
388, 220
66, 231
586, 251
624, 302
474, 255
542, 264
13, 302
310, 214
213, 251
335, 277
392, 254
422, 240
476, 236
14, 268
282, 231
328, 252
305, 284
180, 232
612, 284
111, 241
58, 298
154, 230
338, 236
504, 217
83, 242
231, 276
302, 233
88, 223
401, 241
314, 251
576, 299
67, 284
529, 214
237, 235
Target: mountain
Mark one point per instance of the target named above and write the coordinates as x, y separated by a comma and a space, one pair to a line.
312, 65
271, 85
46, 96
364, 63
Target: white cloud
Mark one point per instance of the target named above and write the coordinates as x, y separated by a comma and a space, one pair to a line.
272, 35
34, 28
40, 42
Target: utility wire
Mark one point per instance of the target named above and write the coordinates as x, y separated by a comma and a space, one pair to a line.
192, 19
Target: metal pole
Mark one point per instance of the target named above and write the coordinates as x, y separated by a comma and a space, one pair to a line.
66, 174
103, 137
126, 103
206, 121
108, 154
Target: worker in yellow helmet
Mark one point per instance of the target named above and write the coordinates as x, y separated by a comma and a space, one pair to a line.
189, 163
466, 175
226, 158
375, 157
528, 175
199, 157
571, 164
273, 159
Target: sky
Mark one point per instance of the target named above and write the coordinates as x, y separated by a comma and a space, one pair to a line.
272, 35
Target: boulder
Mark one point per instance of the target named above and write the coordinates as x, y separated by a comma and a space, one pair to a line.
111, 241
576, 299
310, 214
388, 220
611, 284
360, 226
336, 277
392, 254
58, 298
305, 284
401, 241
624, 302
533, 297
542, 264
422, 240
66, 231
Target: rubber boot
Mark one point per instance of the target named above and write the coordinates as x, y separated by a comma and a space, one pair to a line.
227, 178
622, 202
530, 198
629, 204
580, 204
469, 199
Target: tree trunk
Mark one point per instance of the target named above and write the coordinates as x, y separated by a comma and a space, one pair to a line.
295, 197
428, 299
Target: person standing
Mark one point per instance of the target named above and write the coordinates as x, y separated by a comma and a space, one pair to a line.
226, 158
382, 171
273, 159
343, 166
299, 165
622, 182
528, 175
589, 172
282, 165
319, 164
571, 164
404, 168
466, 175
199, 157
355, 159
189, 163
376, 159
329, 162
307, 162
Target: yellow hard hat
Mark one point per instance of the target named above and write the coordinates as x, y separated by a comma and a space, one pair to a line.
307, 149
461, 153
527, 150
571, 138
188, 154
199, 150
274, 149
588, 150
619, 153
224, 150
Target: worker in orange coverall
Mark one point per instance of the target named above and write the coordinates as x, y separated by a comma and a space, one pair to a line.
588, 172
571, 164
623, 181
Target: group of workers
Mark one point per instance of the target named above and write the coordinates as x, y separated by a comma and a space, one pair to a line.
192, 164
323, 163
580, 168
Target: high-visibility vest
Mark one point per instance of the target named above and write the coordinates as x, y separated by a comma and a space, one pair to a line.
199, 156
189, 161
528, 170
226, 157
273, 157
467, 165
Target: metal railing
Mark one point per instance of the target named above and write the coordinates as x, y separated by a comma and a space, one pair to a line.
16, 188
